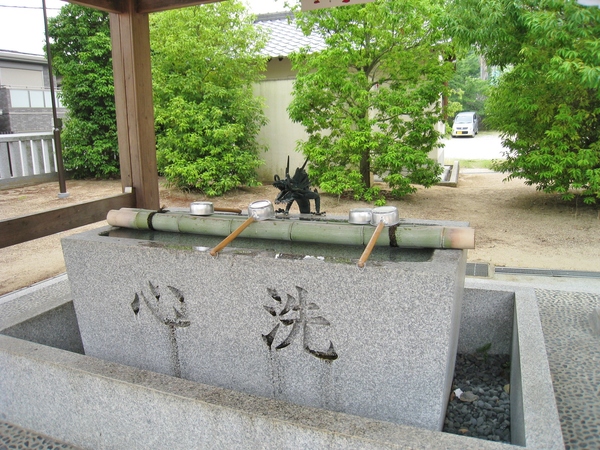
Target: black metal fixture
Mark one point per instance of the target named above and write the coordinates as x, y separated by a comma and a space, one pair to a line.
55, 120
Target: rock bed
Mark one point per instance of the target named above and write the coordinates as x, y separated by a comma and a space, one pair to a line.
484, 408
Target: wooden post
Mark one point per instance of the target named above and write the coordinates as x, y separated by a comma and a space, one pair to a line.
130, 36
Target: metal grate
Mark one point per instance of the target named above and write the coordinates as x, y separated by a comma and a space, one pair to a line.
548, 272
477, 270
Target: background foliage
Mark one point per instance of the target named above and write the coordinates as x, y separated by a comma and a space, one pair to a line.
82, 58
468, 91
547, 104
207, 117
370, 100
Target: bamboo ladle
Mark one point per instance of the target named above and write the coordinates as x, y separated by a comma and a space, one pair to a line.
384, 216
257, 211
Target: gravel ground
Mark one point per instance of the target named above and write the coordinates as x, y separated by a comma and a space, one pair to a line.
483, 411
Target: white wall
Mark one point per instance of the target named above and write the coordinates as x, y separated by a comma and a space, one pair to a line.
33, 78
280, 134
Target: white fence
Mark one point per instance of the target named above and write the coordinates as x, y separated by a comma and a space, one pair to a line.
26, 157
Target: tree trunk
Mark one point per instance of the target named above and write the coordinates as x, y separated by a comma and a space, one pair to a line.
445, 103
365, 168
365, 160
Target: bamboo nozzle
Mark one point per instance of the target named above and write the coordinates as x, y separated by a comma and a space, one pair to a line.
124, 217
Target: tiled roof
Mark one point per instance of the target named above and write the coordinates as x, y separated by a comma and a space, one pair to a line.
284, 37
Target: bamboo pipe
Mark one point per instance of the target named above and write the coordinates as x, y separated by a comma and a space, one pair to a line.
221, 245
405, 236
369, 248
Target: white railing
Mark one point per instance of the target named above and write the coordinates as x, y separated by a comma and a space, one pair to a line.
26, 155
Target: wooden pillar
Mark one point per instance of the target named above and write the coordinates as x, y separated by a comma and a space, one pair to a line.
130, 36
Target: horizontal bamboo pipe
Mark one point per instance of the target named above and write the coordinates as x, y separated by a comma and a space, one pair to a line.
343, 233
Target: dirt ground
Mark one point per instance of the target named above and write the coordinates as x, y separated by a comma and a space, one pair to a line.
515, 225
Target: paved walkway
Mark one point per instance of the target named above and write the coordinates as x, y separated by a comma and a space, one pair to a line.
574, 358
486, 145
13, 437
565, 305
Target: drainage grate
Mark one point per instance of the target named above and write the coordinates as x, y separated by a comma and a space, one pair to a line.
483, 270
548, 272
478, 270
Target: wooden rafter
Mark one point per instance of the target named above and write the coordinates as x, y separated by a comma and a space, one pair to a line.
141, 6
148, 6
110, 6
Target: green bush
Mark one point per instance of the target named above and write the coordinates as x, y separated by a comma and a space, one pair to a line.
547, 102
82, 59
207, 117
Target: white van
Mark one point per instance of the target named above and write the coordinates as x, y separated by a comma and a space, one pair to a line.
466, 123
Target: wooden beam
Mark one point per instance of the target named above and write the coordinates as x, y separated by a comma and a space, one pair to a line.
130, 36
149, 6
110, 6
32, 226
142, 6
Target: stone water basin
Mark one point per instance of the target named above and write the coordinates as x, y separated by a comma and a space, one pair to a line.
289, 321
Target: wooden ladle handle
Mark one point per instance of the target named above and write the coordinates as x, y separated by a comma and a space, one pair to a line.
231, 237
231, 210
370, 245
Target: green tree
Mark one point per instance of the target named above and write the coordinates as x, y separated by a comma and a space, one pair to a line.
81, 53
369, 101
547, 104
207, 117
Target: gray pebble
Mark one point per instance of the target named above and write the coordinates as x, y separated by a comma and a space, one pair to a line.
487, 417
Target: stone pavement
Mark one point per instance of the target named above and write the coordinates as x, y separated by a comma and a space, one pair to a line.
13, 437
573, 349
574, 359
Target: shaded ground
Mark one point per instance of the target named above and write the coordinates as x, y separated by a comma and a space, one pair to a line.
515, 225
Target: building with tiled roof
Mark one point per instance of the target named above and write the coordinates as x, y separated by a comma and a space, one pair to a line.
284, 36
280, 134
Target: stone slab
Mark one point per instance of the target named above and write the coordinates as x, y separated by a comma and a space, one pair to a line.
574, 360
379, 343
487, 318
42, 313
95, 404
